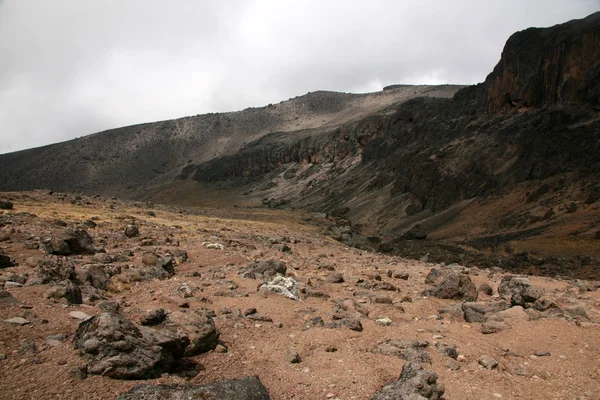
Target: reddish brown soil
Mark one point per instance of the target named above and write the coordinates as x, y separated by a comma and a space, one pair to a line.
352, 372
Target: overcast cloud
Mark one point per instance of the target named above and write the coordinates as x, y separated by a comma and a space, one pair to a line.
69, 68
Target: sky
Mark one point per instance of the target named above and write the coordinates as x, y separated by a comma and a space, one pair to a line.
69, 68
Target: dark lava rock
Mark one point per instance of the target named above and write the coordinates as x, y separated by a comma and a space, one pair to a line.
65, 289
113, 346
154, 317
477, 311
53, 269
5, 260
131, 231
409, 350
65, 243
249, 388
264, 269
415, 383
456, 286
519, 291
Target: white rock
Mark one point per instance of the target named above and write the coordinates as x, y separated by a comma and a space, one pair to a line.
383, 321
17, 321
79, 315
282, 285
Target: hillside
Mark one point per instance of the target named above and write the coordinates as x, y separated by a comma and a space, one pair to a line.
127, 161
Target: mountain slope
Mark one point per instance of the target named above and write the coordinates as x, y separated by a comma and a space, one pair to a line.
126, 161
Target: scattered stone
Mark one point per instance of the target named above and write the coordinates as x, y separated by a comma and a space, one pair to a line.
543, 353
264, 269
485, 288
401, 275
516, 313
493, 327
150, 259
249, 388
17, 321
79, 315
434, 276
353, 324
488, 362
519, 291
154, 317
131, 231
5, 261
448, 350
383, 321
215, 246
52, 269
414, 383
185, 290
293, 357
220, 349
67, 290
199, 327
287, 287
456, 286
409, 350
12, 285
478, 311
336, 277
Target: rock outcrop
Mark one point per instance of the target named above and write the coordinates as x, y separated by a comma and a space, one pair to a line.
547, 66
113, 346
249, 388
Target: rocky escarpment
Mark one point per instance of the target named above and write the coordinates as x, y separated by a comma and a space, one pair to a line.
445, 163
546, 66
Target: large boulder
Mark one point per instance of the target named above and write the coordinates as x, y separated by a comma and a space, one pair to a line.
113, 346
64, 243
249, 388
415, 383
52, 269
456, 286
519, 291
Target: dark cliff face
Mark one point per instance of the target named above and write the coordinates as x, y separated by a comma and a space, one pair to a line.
546, 66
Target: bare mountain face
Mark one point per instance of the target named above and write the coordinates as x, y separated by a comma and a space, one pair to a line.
127, 161
503, 173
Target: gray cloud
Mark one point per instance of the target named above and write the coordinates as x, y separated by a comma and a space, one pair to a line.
70, 67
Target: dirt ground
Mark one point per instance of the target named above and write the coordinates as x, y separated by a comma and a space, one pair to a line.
351, 371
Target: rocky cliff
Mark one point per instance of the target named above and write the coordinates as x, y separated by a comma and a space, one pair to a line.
541, 67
